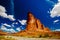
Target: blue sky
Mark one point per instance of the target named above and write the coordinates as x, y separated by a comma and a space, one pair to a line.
16, 11
39, 8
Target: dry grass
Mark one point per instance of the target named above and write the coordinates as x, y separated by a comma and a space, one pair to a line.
6, 38
26, 38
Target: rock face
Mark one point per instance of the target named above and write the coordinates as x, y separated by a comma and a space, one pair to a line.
34, 24
31, 23
33, 27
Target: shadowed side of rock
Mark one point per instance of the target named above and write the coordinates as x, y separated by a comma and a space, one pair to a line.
34, 27
34, 24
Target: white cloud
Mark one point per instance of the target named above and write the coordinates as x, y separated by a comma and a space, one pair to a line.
23, 22
4, 14
56, 21
58, 0
11, 17
6, 25
2, 9
15, 23
18, 29
55, 12
11, 30
57, 30
3, 27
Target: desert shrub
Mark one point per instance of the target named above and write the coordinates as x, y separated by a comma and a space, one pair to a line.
40, 36
2, 37
46, 35
6, 38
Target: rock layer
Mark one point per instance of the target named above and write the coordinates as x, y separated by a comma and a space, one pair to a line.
3, 33
34, 24
34, 27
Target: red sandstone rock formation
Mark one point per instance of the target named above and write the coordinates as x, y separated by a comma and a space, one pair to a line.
33, 27
31, 23
46, 29
34, 24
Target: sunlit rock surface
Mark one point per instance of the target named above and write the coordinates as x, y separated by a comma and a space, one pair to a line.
33, 28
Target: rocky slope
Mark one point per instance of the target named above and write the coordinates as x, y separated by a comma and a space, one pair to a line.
33, 28
34, 24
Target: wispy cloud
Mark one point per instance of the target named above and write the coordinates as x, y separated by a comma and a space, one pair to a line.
55, 12
23, 22
4, 14
10, 17
56, 21
4, 28
18, 29
5, 24
57, 30
12, 30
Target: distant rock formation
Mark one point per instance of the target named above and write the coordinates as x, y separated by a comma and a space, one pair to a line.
34, 24
3, 33
33, 27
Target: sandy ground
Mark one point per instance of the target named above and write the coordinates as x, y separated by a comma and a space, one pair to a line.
22, 38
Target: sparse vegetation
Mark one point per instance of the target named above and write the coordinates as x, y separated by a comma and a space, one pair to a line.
42, 36
6, 38
46, 36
